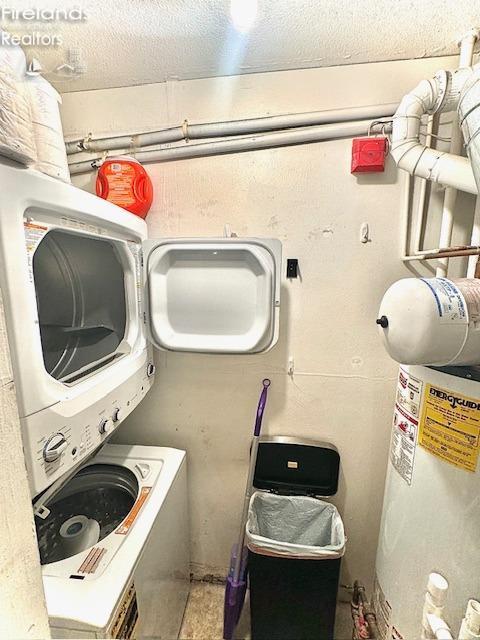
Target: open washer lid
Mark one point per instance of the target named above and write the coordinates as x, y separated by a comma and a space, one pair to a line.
219, 295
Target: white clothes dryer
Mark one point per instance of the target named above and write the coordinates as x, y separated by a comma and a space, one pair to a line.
115, 546
87, 295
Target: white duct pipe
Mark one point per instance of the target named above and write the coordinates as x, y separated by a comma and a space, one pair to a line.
431, 96
469, 116
232, 128
467, 46
236, 145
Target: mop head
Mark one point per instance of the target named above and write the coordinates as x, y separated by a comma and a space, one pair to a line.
234, 594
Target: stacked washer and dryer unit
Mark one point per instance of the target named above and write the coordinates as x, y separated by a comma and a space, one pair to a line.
86, 294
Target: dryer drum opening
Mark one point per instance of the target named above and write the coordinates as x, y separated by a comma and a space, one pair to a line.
80, 290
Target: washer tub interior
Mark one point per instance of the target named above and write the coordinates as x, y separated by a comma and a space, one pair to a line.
88, 508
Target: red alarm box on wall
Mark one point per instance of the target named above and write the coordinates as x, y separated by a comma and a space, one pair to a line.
125, 182
368, 154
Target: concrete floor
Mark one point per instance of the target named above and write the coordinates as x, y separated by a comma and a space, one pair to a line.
203, 618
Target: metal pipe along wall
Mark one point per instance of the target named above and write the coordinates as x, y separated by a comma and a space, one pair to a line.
232, 128
237, 145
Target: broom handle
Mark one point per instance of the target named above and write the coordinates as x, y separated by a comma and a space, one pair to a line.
251, 472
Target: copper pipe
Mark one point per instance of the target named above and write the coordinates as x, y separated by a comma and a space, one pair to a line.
362, 612
454, 252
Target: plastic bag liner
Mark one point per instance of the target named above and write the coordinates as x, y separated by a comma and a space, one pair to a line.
294, 526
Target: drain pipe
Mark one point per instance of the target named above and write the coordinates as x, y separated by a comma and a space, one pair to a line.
237, 145
440, 629
470, 629
467, 46
247, 126
433, 624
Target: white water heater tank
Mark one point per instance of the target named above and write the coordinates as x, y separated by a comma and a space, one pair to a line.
431, 509
432, 321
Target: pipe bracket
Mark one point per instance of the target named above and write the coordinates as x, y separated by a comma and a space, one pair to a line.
185, 130
84, 143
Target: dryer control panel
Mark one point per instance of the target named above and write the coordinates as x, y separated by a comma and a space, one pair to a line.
57, 444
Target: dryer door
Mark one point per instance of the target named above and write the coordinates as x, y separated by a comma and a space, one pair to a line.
213, 295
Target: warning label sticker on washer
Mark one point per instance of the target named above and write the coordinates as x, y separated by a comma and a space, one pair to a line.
450, 427
402, 446
383, 610
449, 300
126, 525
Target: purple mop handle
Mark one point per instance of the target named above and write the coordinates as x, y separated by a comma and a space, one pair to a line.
261, 407
251, 471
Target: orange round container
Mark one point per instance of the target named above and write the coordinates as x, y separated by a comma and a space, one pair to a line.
125, 182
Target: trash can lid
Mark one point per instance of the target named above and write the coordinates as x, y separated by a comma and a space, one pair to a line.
294, 466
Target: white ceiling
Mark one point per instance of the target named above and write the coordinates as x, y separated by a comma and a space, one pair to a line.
129, 42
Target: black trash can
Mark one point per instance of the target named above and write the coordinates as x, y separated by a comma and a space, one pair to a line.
295, 540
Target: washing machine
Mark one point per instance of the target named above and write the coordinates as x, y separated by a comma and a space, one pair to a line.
114, 547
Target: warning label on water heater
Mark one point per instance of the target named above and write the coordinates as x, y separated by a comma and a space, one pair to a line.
405, 424
450, 427
409, 392
402, 447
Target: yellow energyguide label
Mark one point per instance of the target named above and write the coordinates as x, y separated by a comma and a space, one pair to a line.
450, 427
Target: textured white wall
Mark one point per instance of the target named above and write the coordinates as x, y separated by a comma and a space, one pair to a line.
22, 602
343, 386
123, 42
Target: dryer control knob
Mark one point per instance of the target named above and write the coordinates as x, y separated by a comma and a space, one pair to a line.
117, 414
105, 426
150, 369
54, 447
